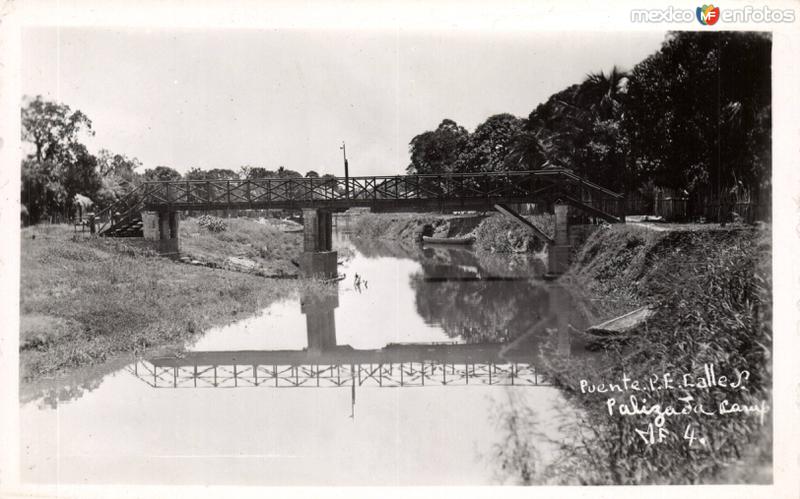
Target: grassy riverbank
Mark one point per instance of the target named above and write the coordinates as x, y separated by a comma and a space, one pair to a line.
712, 293
84, 300
265, 248
492, 232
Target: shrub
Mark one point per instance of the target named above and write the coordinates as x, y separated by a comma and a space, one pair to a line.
501, 235
212, 224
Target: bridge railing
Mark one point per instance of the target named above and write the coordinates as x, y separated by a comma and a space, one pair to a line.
523, 186
124, 208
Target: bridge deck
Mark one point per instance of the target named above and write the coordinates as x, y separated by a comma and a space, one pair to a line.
472, 190
379, 193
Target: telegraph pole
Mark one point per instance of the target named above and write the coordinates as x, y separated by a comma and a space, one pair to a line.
346, 173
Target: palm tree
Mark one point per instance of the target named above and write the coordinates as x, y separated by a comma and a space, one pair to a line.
601, 94
530, 151
599, 111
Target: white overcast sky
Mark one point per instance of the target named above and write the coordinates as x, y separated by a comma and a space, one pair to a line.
225, 98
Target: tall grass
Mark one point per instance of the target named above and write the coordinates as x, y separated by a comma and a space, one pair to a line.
713, 297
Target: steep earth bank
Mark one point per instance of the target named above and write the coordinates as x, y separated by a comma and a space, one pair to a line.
492, 232
711, 292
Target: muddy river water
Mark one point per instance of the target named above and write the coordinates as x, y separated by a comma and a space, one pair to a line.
402, 377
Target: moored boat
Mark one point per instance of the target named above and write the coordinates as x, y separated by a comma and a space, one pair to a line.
448, 240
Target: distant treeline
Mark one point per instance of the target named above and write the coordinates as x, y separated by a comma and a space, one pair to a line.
694, 118
60, 172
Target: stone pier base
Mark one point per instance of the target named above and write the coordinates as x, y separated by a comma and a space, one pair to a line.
322, 265
320, 321
317, 259
317, 230
162, 229
561, 229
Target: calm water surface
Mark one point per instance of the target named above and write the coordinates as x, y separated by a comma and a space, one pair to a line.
401, 380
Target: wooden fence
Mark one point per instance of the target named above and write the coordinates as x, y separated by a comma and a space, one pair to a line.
675, 208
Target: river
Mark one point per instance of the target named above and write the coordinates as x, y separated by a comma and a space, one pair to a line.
410, 375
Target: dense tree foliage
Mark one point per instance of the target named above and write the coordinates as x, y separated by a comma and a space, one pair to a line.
255, 172
54, 129
694, 117
579, 128
490, 147
437, 151
118, 174
161, 173
286, 173
60, 166
110, 164
698, 112
213, 174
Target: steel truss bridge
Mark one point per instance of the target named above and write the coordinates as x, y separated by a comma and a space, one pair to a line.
380, 193
392, 366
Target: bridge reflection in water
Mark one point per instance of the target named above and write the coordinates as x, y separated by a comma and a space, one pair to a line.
235, 369
324, 363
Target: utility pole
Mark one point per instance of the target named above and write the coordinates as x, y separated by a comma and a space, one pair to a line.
346, 173
722, 207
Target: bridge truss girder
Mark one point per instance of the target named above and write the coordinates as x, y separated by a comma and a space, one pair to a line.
381, 193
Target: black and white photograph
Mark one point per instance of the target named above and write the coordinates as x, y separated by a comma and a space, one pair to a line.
341, 255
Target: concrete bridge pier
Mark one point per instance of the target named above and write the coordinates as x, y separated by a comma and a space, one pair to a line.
320, 321
317, 259
162, 229
559, 252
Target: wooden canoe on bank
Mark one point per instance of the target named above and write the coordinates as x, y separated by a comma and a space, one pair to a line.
448, 240
615, 330
622, 324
